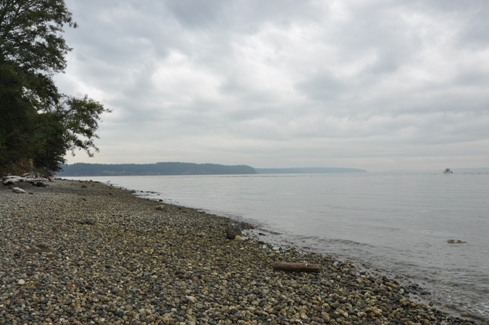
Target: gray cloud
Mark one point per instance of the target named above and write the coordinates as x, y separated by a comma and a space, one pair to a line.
370, 84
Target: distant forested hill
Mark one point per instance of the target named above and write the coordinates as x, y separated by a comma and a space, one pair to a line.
308, 170
161, 168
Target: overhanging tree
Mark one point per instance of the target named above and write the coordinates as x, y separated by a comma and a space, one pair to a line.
37, 122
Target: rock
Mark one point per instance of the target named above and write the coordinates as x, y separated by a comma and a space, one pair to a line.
239, 238
38, 184
232, 230
191, 299
18, 190
161, 207
21, 282
87, 222
455, 241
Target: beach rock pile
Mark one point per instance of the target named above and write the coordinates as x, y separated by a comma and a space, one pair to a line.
98, 255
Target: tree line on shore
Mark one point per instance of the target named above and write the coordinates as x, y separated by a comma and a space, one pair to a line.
38, 123
180, 168
161, 168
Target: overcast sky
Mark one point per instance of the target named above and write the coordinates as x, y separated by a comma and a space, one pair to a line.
378, 85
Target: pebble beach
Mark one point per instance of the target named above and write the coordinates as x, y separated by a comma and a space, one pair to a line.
78, 252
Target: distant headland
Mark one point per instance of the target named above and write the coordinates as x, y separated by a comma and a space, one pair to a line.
181, 168
160, 168
308, 170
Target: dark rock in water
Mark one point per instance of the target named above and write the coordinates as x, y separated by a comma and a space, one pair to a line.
232, 230
455, 241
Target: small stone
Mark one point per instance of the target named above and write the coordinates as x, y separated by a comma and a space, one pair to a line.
21, 282
191, 299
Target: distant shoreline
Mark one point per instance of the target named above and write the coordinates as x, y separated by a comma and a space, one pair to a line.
309, 170
179, 168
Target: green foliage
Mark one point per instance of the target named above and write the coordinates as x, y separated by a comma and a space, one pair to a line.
37, 122
30, 32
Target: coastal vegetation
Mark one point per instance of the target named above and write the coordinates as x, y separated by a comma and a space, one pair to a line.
180, 168
160, 168
38, 123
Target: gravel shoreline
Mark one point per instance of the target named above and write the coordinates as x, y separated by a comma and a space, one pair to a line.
87, 253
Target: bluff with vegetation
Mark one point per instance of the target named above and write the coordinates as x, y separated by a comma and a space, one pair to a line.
38, 124
161, 168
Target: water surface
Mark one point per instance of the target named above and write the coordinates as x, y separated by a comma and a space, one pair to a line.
399, 223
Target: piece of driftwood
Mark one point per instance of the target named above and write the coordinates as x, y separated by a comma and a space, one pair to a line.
297, 267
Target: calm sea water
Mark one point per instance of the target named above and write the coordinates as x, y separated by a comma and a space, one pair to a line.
393, 222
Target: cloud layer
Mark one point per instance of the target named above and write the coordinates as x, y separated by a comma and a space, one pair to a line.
368, 84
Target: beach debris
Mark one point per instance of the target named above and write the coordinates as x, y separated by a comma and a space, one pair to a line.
455, 241
296, 267
28, 178
38, 184
10, 180
232, 230
38, 249
18, 190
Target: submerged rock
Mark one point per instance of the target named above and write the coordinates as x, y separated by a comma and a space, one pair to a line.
455, 241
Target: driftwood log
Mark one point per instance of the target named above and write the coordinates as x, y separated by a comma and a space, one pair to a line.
297, 267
